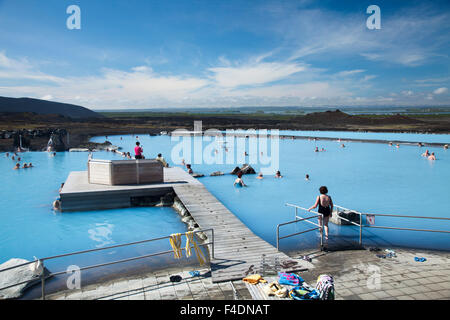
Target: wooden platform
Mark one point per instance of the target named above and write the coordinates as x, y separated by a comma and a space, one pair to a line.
78, 194
238, 251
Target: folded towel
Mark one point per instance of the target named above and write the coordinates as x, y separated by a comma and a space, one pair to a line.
254, 279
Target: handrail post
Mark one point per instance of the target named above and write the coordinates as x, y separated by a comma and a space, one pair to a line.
360, 229
278, 237
42, 280
321, 235
212, 231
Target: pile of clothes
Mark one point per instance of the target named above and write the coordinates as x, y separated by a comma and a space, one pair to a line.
300, 290
389, 254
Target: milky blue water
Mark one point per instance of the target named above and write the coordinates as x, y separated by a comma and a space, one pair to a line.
390, 136
373, 178
29, 227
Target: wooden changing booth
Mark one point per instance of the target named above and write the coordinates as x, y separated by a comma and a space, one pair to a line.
125, 172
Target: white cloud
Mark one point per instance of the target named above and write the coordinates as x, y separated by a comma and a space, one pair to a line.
349, 72
47, 97
255, 82
21, 69
440, 90
254, 73
404, 38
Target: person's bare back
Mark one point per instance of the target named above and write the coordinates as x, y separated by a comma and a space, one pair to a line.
324, 200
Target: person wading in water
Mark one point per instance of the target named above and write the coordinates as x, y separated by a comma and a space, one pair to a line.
325, 208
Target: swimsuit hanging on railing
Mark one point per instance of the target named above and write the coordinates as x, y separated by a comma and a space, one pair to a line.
191, 242
175, 242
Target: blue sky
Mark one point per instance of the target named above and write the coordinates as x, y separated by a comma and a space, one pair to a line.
210, 53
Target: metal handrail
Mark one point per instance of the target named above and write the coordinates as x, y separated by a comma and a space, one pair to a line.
392, 215
44, 277
360, 224
298, 219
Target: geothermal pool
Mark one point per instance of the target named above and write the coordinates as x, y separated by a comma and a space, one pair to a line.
29, 227
368, 177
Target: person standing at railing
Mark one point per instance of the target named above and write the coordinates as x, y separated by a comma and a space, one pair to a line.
325, 208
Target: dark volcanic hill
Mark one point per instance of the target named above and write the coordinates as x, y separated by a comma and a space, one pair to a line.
19, 105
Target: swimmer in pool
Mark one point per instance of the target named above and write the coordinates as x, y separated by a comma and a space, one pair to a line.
397, 146
25, 166
30, 165
278, 175
239, 180
445, 146
260, 176
17, 166
342, 145
432, 156
7, 154
57, 205
317, 149
307, 177
426, 153
390, 143
188, 167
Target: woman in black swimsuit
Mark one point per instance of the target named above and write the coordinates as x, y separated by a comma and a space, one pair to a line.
325, 208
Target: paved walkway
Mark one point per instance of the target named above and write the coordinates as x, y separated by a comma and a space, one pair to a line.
157, 286
356, 275
361, 275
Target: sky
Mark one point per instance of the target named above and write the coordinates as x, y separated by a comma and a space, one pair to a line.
226, 53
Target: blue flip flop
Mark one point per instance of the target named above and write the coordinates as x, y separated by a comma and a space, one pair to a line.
420, 259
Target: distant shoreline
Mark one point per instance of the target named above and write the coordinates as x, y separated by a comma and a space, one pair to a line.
82, 130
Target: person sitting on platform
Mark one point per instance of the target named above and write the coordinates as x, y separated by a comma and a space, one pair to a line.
138, 151
161, 159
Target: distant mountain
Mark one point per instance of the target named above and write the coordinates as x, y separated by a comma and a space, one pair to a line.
45, 107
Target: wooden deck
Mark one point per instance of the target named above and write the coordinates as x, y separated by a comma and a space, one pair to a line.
237, 250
